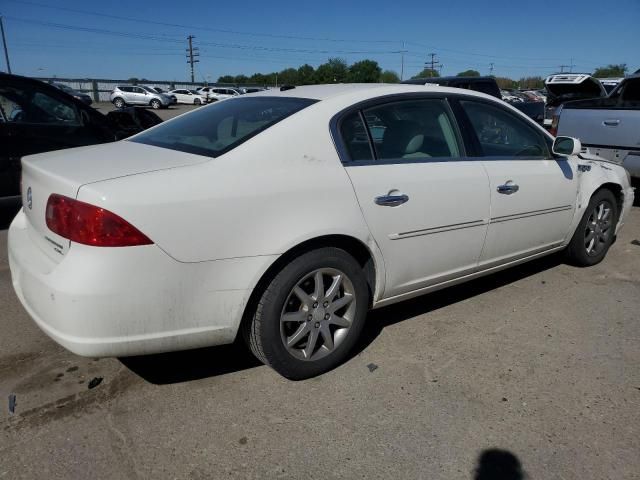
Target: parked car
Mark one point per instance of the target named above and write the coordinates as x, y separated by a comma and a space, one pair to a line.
564, 87
123, 95
37, 117
83, 97
607, 127
488, 85
160, 90
223, 93
511, 97
245, 90
288, 218
190, 97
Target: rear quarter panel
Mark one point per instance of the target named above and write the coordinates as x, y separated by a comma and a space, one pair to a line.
275, 191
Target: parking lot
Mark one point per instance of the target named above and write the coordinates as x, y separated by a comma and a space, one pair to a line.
540, 362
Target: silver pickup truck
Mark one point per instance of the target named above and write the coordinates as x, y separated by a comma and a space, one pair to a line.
608, 127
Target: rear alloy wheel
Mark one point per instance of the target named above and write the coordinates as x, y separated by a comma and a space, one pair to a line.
119, 103
596, 230
310, 315
155, 104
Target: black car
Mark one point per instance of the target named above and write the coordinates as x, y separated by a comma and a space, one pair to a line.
83, 97
487, 85
36, 117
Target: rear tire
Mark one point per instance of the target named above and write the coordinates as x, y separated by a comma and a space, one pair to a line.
119, 102
595, 232
155, 104
310, 315
197, 101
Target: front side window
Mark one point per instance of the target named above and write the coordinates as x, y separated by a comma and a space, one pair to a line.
222, 126
502, 134
27, 106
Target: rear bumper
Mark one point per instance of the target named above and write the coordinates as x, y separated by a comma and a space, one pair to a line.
129, 301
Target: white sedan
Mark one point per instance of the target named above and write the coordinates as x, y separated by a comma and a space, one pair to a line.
190, 97
285, 216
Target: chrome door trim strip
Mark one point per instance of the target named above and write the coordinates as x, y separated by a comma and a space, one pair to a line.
532, 213
432, 230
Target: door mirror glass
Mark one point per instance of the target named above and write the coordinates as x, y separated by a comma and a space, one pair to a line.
566, 146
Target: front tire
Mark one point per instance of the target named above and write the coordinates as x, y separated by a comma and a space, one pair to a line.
595, 232
119, 102
310, 315
197, 101
155, 104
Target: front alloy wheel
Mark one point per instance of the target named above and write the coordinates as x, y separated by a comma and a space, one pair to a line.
599, 229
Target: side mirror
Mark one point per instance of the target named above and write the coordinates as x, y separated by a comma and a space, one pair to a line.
566, 146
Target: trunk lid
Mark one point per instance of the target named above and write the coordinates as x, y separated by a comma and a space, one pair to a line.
65, 171
564, 87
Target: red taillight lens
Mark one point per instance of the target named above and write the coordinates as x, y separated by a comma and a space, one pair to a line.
84, 223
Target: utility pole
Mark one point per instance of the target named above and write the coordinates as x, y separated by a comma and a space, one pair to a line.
491, 69
433, 62
402, 52
4, 43
570, 67
192, 54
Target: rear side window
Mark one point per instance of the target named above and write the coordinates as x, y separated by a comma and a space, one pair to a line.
222, 126
502, 134
402, 131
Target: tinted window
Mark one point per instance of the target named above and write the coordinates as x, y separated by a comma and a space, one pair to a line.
502, 134
34, 107
631, 92
354, 136
218, 128
412, 129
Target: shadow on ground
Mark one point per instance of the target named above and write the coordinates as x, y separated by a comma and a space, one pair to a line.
6, 215
177, 367
495, 464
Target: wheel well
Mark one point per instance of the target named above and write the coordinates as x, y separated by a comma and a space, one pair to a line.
351, 245
617, 192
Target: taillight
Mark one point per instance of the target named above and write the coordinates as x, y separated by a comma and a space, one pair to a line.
555, 120
90, 225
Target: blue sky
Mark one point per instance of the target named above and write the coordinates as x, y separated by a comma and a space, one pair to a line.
46, 37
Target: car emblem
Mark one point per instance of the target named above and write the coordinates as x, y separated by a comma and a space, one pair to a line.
29, 198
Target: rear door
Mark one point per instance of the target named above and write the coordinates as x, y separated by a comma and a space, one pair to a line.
533, 194
426, 205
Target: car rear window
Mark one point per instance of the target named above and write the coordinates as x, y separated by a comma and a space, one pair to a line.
214, 130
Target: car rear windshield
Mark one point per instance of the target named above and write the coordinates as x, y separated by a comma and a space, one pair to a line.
218, 128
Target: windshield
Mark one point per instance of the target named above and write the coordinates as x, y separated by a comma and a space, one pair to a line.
148, 89
195, 92
220, 127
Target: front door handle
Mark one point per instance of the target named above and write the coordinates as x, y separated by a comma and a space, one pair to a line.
391, 200
611, 123
508, 188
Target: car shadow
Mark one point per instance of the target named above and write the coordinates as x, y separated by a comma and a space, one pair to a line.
496, 464
384, 317
7, 213
185, 366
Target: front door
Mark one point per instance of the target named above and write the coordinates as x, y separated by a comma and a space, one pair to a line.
533, 194
426, 208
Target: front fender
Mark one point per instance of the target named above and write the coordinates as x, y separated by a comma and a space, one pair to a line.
593, 175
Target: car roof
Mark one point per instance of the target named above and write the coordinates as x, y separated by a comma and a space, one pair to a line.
327, 91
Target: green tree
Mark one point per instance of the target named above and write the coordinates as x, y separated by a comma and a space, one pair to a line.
227, 79
288, 76
427, 73
334, 71
611, 70
389, 76
306, 74
469, 73
505, 82
133, 81
364, 71
531, 82
258, 79
241, 79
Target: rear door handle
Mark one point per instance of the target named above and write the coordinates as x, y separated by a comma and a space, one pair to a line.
391, 200
508, 188
611, 123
